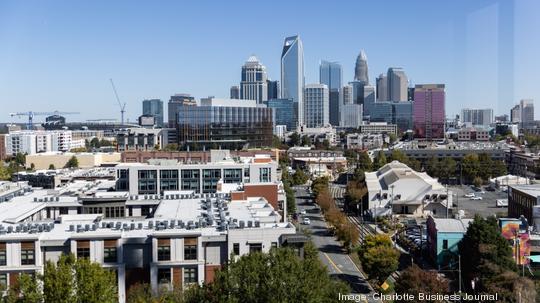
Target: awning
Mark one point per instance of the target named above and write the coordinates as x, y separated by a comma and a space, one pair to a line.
535, 259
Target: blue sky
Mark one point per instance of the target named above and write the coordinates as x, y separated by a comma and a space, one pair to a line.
59, 55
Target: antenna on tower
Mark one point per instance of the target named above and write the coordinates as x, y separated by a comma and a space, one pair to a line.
122, 106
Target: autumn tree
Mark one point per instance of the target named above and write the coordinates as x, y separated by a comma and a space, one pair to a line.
414, 281
379, 258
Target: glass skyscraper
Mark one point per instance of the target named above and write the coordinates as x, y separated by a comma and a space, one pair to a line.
428, 113
154, 107
284, 112
330, 73
292, 73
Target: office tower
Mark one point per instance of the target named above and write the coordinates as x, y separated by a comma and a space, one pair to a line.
357, 91
369, 99
346, 95
177, 101
330, 74
515, 114
361, 68
235, 92
397, 84
382, 87
208, 126
428, 113
481, 117
402, 115
351, 115
410, 94
527, 110
284, 112
501, 118
154, 107
253, 85
273, 89
292, 73
316, 105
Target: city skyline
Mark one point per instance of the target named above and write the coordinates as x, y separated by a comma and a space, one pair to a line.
66, 56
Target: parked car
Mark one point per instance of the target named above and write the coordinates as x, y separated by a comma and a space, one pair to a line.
303, 212
306, 221
470, 195
476, 198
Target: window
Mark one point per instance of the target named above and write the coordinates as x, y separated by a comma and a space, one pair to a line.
255, 247
27, 253
83, 252
264, 174
164, 249
168, 179
109, 251
164, 275
445, 244
190, 275
3, 281
3, 254
274, 245
147, 182
236, 249
190, 249
63, 210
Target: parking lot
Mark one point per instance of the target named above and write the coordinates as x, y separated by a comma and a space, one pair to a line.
485, 207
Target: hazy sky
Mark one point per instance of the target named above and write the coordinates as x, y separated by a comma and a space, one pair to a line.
59, 55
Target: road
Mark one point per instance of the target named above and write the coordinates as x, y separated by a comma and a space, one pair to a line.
331, 252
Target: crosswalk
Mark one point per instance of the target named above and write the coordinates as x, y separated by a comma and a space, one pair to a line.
337, 192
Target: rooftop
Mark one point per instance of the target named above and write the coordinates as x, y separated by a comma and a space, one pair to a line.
452, 225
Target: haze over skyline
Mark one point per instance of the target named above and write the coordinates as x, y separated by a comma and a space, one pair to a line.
60, 55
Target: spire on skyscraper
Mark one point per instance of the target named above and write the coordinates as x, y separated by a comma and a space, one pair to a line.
361, 68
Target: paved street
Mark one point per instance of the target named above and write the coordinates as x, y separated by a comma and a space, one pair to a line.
339, 264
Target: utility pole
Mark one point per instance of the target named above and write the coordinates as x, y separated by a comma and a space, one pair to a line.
459, 272
447, 201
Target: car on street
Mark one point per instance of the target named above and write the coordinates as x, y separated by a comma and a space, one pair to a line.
476, 198
306, 221
303, 212
470, 195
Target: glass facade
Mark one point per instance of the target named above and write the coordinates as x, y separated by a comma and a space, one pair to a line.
154, 107
191, 180
292, 73
210, 180
211, 127
284, 112
330, 73
232, 175
147, 182
168, 179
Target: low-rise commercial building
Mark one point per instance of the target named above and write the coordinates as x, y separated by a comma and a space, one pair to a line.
378, 128
31, 142
364, 141
443, 237
401, 190
137, 156
473, 134
523, 200
139, 139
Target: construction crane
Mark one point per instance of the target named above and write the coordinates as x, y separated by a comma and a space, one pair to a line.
122, 106
31, 114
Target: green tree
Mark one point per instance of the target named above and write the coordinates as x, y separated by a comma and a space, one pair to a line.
72, 163
433, 167
299, 177
5, 173
306, 141
58, 282
379, 259
471, 166
380, 160
414, 281
477, 181
364, 161
51, 166
171, 147
94, 283
20, 159
483, 245
294, 139
291, 199
104, 142
447, 168
26, 290
278, 276
393, 138
95, 143
398, 155
498, 169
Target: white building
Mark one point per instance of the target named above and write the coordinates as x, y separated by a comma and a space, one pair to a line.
316, 105
351, 115
253, 85
378, 128
280, 130
178, 238
481, 117
364, 141
398, 189
32, 142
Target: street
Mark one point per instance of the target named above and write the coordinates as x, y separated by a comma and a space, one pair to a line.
331, 253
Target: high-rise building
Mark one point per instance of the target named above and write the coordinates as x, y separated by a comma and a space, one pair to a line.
292, 73
357, 91
382, 87
369, 99
346, 95
480, 117
351, 115
224, 123
397, 84
316, 105
235, 92
330, 73
284, 112
361, 68
527, 110
515, 114
273, 89
154, 107
177, 101
429, 112
253, 85
501, 118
